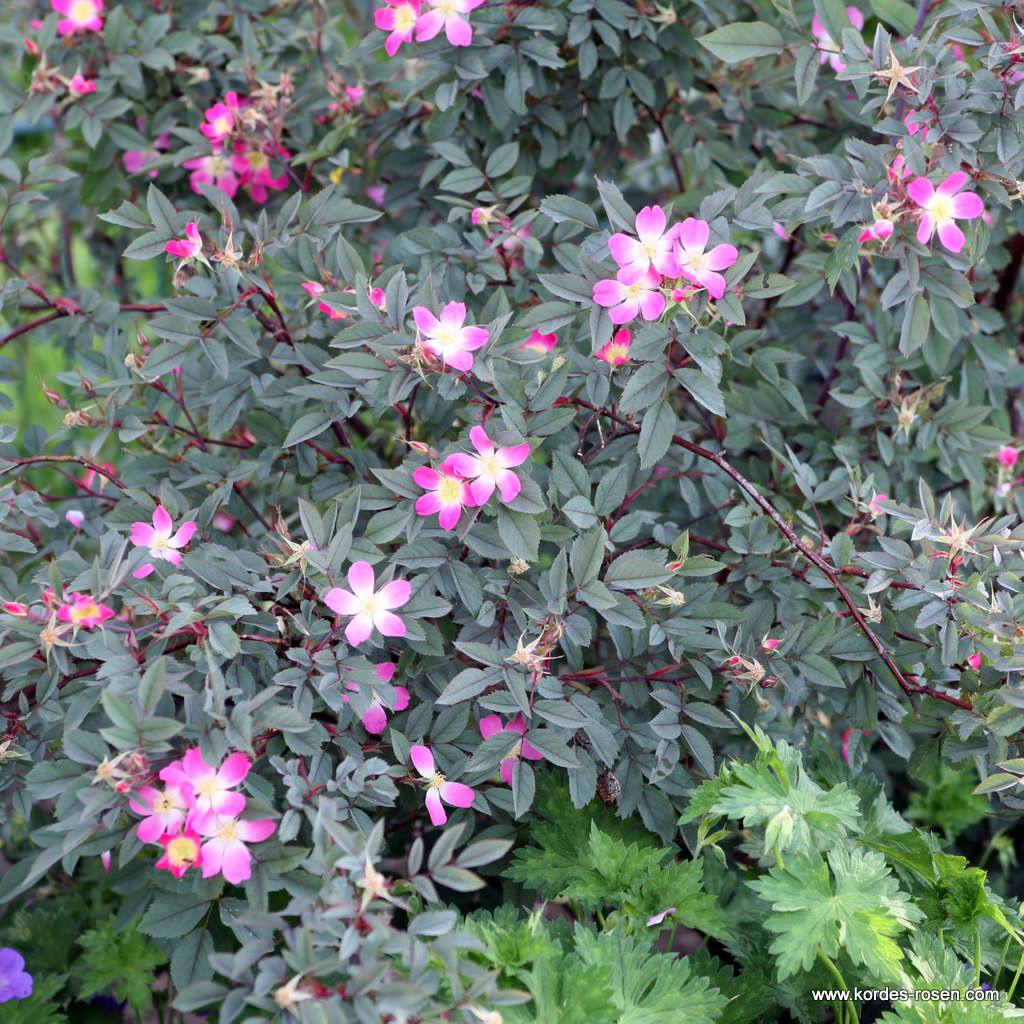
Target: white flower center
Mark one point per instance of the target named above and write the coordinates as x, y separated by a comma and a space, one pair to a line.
82, 10
446, 336
370, 605
449, 490
182, 851
207, 787
490, 465
941, 208
436, 780
696, 262
228, 832
405, 18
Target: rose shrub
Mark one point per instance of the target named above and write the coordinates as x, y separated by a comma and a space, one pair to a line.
510, 510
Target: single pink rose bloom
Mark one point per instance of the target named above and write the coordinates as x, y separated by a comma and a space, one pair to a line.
370, 609
455, 794
941, 207
616, 351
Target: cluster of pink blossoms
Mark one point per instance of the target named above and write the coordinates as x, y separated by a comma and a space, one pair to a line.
196, 818
656, 258
468, 481
238, 159
404, 20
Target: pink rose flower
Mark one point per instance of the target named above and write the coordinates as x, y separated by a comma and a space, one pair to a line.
253, 167
451, 15
221, 118
616, 351
877, 232
83, 611
189, 247
75, 517
79, 16
163, 812
542, 343
1007, 456
651, 249
447, 338
455, 794
874, 507
399, 20
214, 169
163, 543
974, 660
898, 169
941, 206
447, 493
491, 725
699, 266
369, 609
313, 289
491, 468
212, 788
181, 851
828, 50
224, 849
80, 86
375, 718
626, 301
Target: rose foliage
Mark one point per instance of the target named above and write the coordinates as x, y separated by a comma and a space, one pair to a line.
495, 496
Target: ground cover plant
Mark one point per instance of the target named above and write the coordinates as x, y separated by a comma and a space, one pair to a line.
510, 512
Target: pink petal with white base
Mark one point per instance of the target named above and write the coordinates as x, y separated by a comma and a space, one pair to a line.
422, 760
437, 813
457, 794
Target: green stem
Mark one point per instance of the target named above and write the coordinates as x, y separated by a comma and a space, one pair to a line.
977, 957
852, 1016
1016, 978
1002, 960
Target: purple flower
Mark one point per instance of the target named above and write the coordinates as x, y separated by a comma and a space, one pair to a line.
15, 981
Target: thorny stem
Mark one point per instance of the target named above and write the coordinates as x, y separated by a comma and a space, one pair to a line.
828, 570
80, 459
